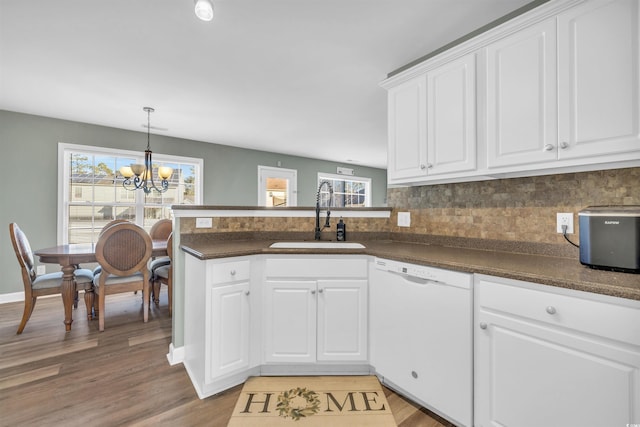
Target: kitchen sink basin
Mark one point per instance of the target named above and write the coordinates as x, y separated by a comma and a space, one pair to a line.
316, 245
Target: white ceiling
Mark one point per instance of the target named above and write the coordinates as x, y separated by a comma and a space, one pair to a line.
297, 77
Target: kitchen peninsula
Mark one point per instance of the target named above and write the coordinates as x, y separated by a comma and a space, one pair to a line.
234, 256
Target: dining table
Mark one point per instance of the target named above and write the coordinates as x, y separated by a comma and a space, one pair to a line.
71, 255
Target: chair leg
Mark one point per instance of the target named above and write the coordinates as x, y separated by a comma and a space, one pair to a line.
101, 298
89, 298
146, 296
29, 304
75, 300
156, 292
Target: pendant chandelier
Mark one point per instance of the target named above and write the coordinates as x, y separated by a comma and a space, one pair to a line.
140, 177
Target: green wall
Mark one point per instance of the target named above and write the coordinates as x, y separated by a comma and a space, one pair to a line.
29, 157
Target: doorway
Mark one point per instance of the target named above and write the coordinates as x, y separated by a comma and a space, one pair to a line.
277, 187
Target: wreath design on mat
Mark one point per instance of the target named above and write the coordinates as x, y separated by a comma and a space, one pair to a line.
298, 403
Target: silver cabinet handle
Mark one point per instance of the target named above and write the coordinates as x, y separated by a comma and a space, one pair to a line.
313, 292
320, 290
564, 145
429, 165
551, 309
247, 292
483, 325
423, 167
548, 147
232, 272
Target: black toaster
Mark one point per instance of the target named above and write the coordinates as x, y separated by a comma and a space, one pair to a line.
610, 237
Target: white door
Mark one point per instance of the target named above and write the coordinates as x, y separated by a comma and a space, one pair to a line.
277, 187
451, 112
342, 320
290, 321
521, 116
407, 153
229, 330
599, 74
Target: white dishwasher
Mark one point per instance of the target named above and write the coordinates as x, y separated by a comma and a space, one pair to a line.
421, 335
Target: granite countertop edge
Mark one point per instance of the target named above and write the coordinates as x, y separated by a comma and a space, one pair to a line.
554, 271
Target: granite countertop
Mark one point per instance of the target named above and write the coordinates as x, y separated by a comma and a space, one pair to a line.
548, 270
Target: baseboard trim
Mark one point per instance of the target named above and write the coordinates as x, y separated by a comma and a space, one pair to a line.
12, 297
175, 355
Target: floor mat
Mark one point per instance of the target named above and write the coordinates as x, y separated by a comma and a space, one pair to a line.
335, 401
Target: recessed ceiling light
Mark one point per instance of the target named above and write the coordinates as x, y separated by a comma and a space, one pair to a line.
204, 9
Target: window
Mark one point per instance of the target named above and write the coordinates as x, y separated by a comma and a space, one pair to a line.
91, 193
348, 191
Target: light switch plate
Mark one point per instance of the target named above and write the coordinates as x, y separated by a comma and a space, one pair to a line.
203, 223
404, 219
41, 269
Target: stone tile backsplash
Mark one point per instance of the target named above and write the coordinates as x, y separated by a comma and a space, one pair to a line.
513, 215
515, 209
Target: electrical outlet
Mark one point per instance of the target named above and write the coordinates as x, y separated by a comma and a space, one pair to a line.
203, 222
41, 269
404, 219
564, 219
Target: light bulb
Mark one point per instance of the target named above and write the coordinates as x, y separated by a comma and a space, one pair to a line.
126, 171
164, 172
204, 10
137, 169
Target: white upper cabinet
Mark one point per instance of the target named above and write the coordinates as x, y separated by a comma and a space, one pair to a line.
451, 117
521, 97
599, 79
432, 123
407, 154
554, 90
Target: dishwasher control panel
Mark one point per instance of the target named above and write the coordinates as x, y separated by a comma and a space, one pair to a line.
449, 277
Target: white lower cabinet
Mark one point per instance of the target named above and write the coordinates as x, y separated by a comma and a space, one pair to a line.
546, 356
218, 323
421, 336
315, 310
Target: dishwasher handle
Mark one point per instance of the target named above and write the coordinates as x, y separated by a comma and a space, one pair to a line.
412, 279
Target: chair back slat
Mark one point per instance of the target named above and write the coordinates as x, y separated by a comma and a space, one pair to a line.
112, 222
124, 249
161, 229
23, 250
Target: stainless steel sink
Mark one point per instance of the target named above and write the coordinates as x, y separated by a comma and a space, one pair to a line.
316, 245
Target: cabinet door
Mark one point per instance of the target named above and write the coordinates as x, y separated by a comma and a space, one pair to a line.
290, 321
530, 372
521, 116
407, 154
451, 117
228, 344
342, 320
599, 79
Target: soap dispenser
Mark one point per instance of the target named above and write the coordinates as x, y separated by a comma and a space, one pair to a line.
341, 235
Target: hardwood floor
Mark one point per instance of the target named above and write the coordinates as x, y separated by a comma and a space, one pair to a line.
117, 377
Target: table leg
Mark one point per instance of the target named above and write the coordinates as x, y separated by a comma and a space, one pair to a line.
68, 294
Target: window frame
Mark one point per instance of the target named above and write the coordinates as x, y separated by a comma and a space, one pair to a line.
63, 179
338, 177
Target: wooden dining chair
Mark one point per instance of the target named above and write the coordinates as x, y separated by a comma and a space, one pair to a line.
163, 273
161, 229
98, 269
122, 251
46, 284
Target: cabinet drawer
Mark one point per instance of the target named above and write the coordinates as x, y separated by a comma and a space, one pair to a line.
317, 267
232, 271
579, 312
